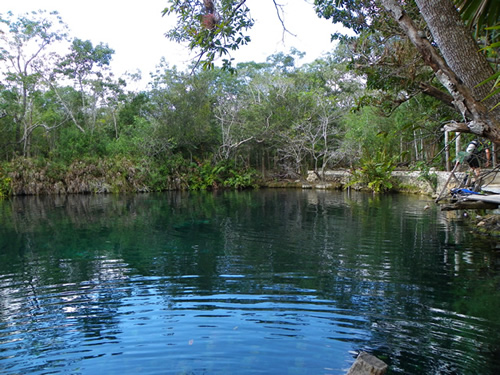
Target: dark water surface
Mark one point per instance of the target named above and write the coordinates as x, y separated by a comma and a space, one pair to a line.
263, 282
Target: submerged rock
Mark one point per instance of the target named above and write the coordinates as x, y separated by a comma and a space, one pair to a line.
488, 225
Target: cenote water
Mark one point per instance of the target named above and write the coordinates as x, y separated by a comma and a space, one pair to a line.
261, 282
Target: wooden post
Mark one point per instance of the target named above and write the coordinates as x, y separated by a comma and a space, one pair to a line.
367, 364
493, 155
447, 151
452, 174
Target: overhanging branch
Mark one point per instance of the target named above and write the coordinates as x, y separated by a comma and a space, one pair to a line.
456, 127
430, 90
481, 123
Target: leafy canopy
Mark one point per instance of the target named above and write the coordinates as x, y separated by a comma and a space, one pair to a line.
479, 14
214, 32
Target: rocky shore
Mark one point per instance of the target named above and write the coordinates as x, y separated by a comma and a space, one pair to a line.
123, 177
404, 181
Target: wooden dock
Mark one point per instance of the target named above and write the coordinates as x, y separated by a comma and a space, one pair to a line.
474, 202
490, 189
492, 198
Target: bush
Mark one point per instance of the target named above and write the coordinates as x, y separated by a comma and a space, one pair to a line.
168, 174
5, 185
205, 176
375, 172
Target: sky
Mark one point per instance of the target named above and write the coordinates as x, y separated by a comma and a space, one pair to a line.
135, 30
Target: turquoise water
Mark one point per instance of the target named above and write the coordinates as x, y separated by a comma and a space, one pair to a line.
262, 282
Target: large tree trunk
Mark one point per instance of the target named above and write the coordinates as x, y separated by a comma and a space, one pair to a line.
458, 47
480, 120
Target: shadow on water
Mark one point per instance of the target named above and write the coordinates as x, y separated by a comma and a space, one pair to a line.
248, 282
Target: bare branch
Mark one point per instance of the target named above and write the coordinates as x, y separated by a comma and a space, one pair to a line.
280, 12
456, 127
430, 90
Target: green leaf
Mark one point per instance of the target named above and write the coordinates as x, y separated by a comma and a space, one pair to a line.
491, 46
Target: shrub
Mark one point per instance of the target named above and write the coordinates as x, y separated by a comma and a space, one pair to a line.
375, 172
205, 176
5, 185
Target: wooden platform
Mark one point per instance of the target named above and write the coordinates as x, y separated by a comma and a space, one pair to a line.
492, 189
493, 198
474, 202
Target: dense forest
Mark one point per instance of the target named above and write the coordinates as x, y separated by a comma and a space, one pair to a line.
68, 125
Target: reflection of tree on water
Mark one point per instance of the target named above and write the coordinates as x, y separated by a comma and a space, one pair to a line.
380, 261
60, 277
376, 283
65, 304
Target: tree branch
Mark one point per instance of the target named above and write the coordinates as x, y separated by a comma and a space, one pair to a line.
279, 11
237, 7
456, 127
434, 92
463, 100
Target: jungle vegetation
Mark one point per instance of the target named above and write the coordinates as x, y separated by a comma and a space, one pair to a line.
68, 125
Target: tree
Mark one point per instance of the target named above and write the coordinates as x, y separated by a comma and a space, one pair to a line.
453, 72
181, 110
327, 92
87, 66
274, 115
214, 28
448, 60
25, 49
453, 69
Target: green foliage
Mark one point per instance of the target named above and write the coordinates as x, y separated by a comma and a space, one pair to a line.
82, 58
172, 101
395, 73
461, 156
206, 176
493, 50
426, 174
26, 48
166, 174
75, 121
479, 14
375, 172
366, 133
5, 185
133, 108
72, 145
213, 32
359, 16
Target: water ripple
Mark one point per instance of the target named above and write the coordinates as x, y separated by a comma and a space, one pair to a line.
270, 282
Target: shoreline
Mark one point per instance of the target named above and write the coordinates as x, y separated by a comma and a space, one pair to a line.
98, 180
